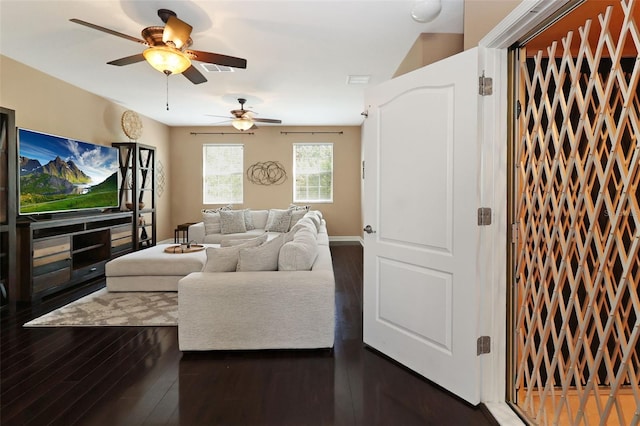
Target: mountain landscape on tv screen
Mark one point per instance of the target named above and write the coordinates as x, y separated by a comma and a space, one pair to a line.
60, 185
58, 174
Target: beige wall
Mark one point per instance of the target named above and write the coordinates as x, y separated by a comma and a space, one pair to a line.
46, 104
269, 144
429, 48
481, 16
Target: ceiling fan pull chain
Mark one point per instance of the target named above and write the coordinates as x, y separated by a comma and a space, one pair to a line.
167, 92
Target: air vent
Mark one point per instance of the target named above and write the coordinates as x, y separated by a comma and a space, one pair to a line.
216, 68
358, 79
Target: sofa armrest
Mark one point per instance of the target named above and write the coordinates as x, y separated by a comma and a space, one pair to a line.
196, 232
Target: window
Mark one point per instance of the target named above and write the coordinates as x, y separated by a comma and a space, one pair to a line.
223, 174
313, 172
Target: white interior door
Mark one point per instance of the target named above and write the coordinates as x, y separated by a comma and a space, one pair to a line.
420, 199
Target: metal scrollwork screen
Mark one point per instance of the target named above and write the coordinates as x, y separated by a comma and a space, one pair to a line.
577, 319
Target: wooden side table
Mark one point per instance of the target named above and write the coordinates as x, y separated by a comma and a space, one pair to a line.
181, 233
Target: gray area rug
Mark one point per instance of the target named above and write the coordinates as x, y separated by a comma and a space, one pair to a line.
138, 309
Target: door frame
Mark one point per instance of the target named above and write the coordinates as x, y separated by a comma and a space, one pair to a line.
495, 239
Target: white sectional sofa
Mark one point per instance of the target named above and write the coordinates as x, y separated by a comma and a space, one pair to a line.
212, 229
289, 304
259, 310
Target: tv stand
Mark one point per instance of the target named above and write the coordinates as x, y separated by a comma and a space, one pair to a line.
59, 253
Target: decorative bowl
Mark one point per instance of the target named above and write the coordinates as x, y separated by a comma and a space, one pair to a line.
130, 205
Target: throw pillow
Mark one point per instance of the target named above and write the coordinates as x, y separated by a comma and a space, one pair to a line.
278, 220
218, 210
232, 222
225, 259
261, 258
297, 213
211, 219
221, 259
259, 240
211, 223
248, 220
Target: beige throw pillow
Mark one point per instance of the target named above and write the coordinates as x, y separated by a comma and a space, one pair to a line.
232, 222
225, 259
278, 220
262, 258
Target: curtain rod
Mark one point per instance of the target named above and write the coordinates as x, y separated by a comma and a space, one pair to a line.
311, 133
220, 133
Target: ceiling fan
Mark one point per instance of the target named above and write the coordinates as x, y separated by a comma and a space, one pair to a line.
243, 119
167, 48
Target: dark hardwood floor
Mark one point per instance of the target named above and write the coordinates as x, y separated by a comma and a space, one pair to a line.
137, 376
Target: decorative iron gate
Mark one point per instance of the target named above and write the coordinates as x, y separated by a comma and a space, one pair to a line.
577, 186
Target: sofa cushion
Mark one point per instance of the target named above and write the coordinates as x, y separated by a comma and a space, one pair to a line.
248, 220
261, 258
225, 259
259, 218
232, 222
315, 217
155, 261
227, 242
305, 222
217, 238
211, 223
278, 220
299, 254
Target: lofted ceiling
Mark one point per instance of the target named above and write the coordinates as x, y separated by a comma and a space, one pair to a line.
299, 53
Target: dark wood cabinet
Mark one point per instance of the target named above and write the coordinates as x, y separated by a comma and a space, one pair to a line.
58, 253
138, 190
8, 162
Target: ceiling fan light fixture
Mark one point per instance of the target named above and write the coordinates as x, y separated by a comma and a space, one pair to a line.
242, 123
166, 59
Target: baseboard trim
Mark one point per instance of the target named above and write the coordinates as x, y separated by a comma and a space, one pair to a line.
341, 240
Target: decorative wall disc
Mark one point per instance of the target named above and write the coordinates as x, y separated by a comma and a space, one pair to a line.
131, 124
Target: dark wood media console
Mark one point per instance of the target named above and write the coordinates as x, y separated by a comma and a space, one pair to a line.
55, 254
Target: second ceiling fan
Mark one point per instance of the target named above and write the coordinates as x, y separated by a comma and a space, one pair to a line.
244, 119
167, 48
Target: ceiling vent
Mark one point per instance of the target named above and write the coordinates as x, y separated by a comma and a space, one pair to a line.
216, 68
358, 79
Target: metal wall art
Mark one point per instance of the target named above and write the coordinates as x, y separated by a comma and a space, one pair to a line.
266, 173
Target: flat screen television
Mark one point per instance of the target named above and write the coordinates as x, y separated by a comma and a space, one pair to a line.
59, 174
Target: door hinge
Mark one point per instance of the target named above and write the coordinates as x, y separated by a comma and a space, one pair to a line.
484, 345
362, 169
485, 85
484, 216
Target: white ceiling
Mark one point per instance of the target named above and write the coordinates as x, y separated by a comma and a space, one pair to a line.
299, 53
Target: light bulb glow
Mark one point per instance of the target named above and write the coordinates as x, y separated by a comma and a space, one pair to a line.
166, 59
242, 123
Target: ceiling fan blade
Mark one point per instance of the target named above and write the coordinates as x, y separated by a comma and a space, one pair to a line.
108, 31
194, 75
216, 58
253, 127
176, 31
127, 60
267, 120
220, 116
